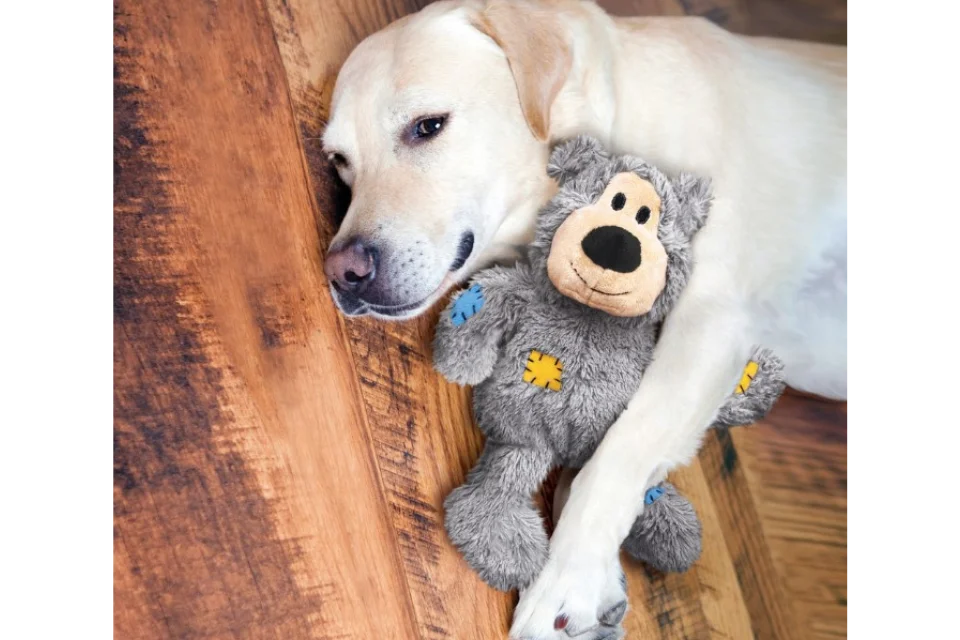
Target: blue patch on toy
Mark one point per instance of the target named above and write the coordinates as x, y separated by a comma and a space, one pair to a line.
466, 305
653, 494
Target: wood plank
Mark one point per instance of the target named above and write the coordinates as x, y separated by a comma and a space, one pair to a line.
782, 487
814, 20
799, 454
724, 605
247, 502
422, 430
729, 14
770, 611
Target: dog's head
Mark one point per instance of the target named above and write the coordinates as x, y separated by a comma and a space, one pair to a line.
616, 237
439, 125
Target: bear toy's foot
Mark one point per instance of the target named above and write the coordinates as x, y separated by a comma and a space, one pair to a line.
501, 537
667, 535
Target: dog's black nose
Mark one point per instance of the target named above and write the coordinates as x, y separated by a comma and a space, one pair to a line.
613, 248
352, 266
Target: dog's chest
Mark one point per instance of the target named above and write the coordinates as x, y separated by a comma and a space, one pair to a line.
562, 379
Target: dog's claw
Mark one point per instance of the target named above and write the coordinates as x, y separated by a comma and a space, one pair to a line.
586, 602
614, 615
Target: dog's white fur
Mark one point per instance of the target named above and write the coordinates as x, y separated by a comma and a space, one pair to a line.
765, 119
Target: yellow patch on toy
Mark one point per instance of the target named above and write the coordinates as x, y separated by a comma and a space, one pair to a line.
749, 373
543, 371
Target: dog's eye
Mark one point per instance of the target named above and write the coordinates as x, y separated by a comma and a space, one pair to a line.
428, 127
643, 214
339, 160
618, 202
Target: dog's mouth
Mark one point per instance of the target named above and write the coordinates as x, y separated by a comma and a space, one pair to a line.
600, 291
352, 305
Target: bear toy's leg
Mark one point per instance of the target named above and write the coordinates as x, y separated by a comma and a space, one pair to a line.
667, 535
492, 519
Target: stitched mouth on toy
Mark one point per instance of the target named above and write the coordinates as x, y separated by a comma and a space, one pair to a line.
600, 291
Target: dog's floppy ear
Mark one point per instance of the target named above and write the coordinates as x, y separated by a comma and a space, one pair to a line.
538, 51
694, 195
573, 156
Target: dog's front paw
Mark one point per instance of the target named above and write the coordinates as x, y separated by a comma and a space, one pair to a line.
579, 598
501, 538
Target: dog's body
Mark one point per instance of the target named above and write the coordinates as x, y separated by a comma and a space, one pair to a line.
765, 119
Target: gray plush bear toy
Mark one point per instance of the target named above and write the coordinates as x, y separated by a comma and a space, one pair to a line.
556, 346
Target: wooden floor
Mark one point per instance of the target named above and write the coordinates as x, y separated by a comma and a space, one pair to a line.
279, 471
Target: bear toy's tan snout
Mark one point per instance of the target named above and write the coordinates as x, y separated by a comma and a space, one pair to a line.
607, 255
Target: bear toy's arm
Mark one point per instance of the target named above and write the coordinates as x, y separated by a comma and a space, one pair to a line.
759, 387
468, 338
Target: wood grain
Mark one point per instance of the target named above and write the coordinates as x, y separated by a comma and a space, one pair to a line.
798, 459
423, 435
248, 503
279, 472
814, 20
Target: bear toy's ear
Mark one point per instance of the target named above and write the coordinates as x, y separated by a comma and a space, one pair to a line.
677, 228
571, 157
694, 195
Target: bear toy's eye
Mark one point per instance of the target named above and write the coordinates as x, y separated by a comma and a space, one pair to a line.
618, 201
643, 214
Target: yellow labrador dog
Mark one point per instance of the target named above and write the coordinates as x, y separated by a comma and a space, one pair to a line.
442, 123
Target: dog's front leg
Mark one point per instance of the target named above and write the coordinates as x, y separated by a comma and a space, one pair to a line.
696, 364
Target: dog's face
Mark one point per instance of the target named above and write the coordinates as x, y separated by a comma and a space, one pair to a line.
439, 124
427, 130
607, 255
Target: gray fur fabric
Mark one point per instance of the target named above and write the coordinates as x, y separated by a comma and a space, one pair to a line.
490, 336
667, 535
765, 388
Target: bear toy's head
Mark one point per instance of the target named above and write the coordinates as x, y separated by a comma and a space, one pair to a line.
616, 236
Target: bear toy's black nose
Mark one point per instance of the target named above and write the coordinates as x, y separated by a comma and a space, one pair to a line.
613, 248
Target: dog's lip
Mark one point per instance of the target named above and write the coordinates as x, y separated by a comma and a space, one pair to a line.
600, 291
364, 308
398, 309
348, 304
